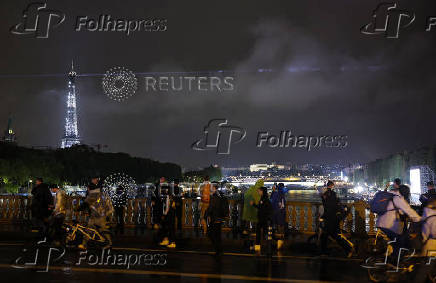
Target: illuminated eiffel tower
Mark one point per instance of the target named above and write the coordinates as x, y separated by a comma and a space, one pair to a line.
71, 136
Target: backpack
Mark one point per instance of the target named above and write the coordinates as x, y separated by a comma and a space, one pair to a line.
379, 204
205, 193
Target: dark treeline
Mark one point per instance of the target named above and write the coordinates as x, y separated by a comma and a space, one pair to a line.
76, 165
214, 173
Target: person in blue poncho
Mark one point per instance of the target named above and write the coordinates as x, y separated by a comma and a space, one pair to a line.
278, 201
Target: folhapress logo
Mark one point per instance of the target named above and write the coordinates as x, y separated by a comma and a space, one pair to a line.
40, 256
387, 19
219, 136
38, 20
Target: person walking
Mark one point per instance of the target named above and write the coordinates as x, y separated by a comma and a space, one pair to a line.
205, 192
216, 213
249, 212
101, 210
157, 204
168, 230
330, 221
179, 204
58, 215
427, 196
429, 228
119, 201
278, 201
392, 221
403, 189
264, 216
42, 199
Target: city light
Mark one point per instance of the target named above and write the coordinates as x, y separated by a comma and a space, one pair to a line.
415, 181
358, 189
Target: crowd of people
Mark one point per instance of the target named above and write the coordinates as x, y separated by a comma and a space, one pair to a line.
262, 213
394, 213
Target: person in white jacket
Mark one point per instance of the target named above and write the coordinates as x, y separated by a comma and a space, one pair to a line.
429, 229
392, 222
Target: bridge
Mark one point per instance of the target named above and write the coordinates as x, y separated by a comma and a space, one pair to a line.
301, 216
192, 260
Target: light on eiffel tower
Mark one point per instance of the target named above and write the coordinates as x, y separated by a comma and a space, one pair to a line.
71, 136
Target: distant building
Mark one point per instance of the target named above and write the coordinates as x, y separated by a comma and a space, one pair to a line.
265, 167
398, 165
9, 135
258, 167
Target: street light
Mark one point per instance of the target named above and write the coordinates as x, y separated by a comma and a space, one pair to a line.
28, 186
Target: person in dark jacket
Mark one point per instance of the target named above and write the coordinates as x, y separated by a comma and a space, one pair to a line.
157, 207
278, 201
168, 230
42, 200
214, 216
179, 204
264, 216
333, 214
429, 195
403, 189
119, 201
93, 185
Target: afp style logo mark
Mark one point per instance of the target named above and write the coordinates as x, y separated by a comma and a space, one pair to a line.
38, 20
219, 136
387, 19
41, 256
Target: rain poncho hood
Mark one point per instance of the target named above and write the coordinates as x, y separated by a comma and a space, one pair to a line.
250, 213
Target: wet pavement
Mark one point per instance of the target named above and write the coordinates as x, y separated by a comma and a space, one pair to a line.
134, 258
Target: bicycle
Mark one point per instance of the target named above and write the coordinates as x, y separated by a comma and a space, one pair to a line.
407, 267
76, 232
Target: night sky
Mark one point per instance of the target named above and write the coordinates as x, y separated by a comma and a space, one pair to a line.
379, 92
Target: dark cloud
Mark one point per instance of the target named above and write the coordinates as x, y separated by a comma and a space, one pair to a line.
327, 79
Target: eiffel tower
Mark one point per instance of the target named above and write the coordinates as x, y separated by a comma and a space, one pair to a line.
71, 136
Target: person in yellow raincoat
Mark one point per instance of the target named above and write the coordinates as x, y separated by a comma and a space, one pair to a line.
249, 213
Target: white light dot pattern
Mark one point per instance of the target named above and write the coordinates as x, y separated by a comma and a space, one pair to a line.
113, 181
119, 83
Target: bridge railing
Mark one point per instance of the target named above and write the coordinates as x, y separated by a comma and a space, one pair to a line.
300, 216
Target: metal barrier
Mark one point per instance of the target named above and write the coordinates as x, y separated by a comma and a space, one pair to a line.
300, 216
